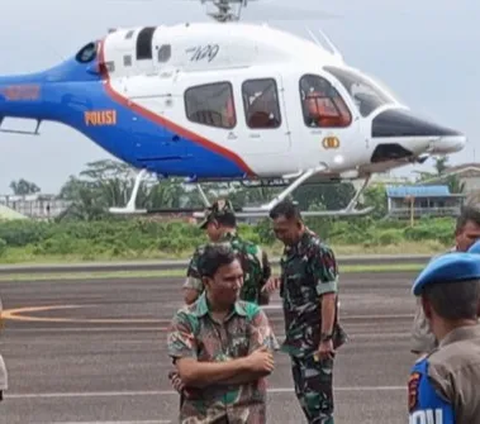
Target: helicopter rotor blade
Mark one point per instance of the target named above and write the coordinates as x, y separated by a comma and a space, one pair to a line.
258, 10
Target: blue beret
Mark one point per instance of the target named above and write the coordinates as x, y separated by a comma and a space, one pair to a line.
450, 267
475, 247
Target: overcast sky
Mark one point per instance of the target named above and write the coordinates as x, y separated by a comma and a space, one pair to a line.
427, 51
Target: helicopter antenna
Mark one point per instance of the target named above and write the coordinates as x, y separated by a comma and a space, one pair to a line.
332, 46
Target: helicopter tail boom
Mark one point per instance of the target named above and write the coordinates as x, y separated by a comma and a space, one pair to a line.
21, 97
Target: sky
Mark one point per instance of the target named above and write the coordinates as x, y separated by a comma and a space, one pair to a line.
427, 52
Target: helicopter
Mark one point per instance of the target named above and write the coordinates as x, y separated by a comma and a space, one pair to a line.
229, 101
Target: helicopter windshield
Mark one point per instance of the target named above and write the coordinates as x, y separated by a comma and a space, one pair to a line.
87, 53
367, 96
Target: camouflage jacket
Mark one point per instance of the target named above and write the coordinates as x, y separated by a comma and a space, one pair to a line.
255, 264
194, 334
308, 270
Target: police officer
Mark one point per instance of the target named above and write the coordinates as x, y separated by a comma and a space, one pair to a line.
308, 287
221, 227
443, 385
467, 231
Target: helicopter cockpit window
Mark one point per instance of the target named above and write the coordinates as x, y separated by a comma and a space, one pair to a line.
211, 104
322, 105
87, 53
260, 100
367, 96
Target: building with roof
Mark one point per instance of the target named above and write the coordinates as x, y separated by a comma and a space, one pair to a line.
7, 214
412, 202
35, 206
468, 175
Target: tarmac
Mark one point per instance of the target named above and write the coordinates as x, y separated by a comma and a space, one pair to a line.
91, 351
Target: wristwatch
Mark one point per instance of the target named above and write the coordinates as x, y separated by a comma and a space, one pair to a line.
325, 337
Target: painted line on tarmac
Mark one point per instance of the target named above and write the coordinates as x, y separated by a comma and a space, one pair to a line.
8, 330
23, 314
113, 422
155, 342
278, 390
18, 314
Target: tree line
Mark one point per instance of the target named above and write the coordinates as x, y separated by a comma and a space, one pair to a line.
107, 183
87, 231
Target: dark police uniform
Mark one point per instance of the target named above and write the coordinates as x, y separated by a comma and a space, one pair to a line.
443, 387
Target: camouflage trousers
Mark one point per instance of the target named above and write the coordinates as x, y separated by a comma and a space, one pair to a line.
314, 388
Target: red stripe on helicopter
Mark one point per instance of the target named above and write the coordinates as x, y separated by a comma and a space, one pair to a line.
166, 123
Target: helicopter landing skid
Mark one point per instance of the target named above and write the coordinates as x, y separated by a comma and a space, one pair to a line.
249, 212
131, 209
264, 210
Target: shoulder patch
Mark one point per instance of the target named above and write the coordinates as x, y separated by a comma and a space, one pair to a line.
413, 385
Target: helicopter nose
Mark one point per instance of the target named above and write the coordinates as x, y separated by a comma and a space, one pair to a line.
396, 123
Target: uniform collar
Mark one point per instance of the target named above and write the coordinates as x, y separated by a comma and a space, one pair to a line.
300, 244
202, 308
461, 333
228, 235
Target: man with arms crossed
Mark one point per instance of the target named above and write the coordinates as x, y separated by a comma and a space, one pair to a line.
220, 225
222, 347
308, 287
444, 385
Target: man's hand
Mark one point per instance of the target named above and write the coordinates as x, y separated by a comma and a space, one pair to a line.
271, 285
260, 360
325, 351
176, 381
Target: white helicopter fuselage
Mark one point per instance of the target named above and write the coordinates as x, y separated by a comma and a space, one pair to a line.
227, 101
243, 60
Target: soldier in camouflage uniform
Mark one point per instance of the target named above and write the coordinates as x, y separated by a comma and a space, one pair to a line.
308, 288
222, 347
220, 225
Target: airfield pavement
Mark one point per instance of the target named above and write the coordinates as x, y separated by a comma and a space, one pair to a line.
94, 352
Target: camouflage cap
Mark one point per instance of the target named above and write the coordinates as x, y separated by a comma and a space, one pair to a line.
218, 208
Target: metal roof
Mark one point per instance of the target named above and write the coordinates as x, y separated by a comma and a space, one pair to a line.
419, 191
7, 214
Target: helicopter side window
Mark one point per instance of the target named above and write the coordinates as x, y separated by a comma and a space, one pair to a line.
260, 100
87, 53
322, 105
211, 104
164, 53
144, 43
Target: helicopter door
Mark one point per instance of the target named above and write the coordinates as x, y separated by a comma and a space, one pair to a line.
329, 121
264, 127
